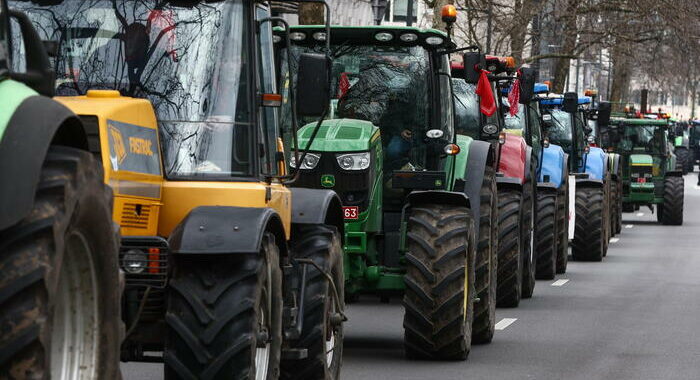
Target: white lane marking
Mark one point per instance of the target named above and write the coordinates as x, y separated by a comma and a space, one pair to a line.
629, 226
640, 214
505, 322
614, 240
560, 282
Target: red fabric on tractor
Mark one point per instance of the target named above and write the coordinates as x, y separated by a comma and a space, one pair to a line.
487, 104
514, 98
513, 153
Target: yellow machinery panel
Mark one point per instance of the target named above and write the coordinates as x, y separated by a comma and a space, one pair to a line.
180, 197
130, 156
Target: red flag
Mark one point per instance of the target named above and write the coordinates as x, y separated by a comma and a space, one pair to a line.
485, 92
343, 85
514, 97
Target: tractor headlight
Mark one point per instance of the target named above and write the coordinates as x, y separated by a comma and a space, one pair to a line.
310, 161
353, 161
134, 261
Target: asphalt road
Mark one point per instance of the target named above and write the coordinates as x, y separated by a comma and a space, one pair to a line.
636, 315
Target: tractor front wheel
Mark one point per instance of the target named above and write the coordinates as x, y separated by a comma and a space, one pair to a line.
682, 159
60, 289
546, 235
527, 236
224, 316
563, 230
671, 211
486, 262
510, 267
439, 296
588, 244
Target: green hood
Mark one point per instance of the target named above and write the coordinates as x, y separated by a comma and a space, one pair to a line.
641, 159
339, 135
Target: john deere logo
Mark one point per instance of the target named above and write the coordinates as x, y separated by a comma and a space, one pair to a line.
327, 180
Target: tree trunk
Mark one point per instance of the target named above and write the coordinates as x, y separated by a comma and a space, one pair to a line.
568, 45
312, 14
622, 70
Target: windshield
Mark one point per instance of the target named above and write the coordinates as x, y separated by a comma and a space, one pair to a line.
516, 121
560, 130
189, 61
467, 115
644, 139
385, 85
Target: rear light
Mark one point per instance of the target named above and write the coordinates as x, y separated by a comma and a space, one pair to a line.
641, 180
153, 260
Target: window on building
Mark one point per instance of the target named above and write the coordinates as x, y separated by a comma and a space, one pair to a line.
397, 11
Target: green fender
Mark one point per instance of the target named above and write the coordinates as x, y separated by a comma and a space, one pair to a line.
12, 93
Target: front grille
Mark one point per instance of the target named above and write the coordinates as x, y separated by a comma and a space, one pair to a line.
353, 186
156, 271
135, 215
641, 171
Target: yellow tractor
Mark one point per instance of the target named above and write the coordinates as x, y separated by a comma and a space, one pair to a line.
228, 271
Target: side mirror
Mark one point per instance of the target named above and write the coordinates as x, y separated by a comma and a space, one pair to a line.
527, 85
472, 60
604, 110
313, 85
39, 75
570, 103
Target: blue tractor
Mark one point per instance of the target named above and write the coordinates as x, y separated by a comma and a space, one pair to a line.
566, 125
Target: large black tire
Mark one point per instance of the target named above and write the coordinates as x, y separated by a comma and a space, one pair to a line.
563, 229
682, 159
486, 262
527, 235
589, 233
322, 332
510, 266
66, 249
607, 214
617, 197
671, 211
220, 309
440, 256
613, 207
546, 234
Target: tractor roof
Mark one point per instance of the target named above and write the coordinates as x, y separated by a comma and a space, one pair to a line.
541, 88
370, 32
636, 122
559, 100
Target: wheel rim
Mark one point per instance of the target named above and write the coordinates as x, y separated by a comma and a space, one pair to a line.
331, 333
75, 321
262, 354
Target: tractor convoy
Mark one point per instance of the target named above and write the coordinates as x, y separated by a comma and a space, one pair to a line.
203, 185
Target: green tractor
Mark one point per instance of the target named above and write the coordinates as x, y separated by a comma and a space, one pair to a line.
61, 284
680, 135
649, 172
419, 200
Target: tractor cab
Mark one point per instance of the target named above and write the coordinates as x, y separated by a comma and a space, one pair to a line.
567, 127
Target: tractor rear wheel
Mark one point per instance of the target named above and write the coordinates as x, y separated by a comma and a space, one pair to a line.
671, 211
486, 262
546, 234
617, 189
322, 333
527, 235
682, 159
60, 291
224, 316
607, 214
589, 234
563, 230
510, 269
439, 270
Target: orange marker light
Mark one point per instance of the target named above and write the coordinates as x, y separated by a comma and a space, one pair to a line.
449, 13
153, 256
510, 62
452, 149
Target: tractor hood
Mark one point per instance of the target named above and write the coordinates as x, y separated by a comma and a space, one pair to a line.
641, 159
339, 135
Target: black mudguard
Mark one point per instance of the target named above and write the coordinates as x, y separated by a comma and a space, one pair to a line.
674, 173
454, 198
317, 206
29, 133
588, 182
216, 230
480, 154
